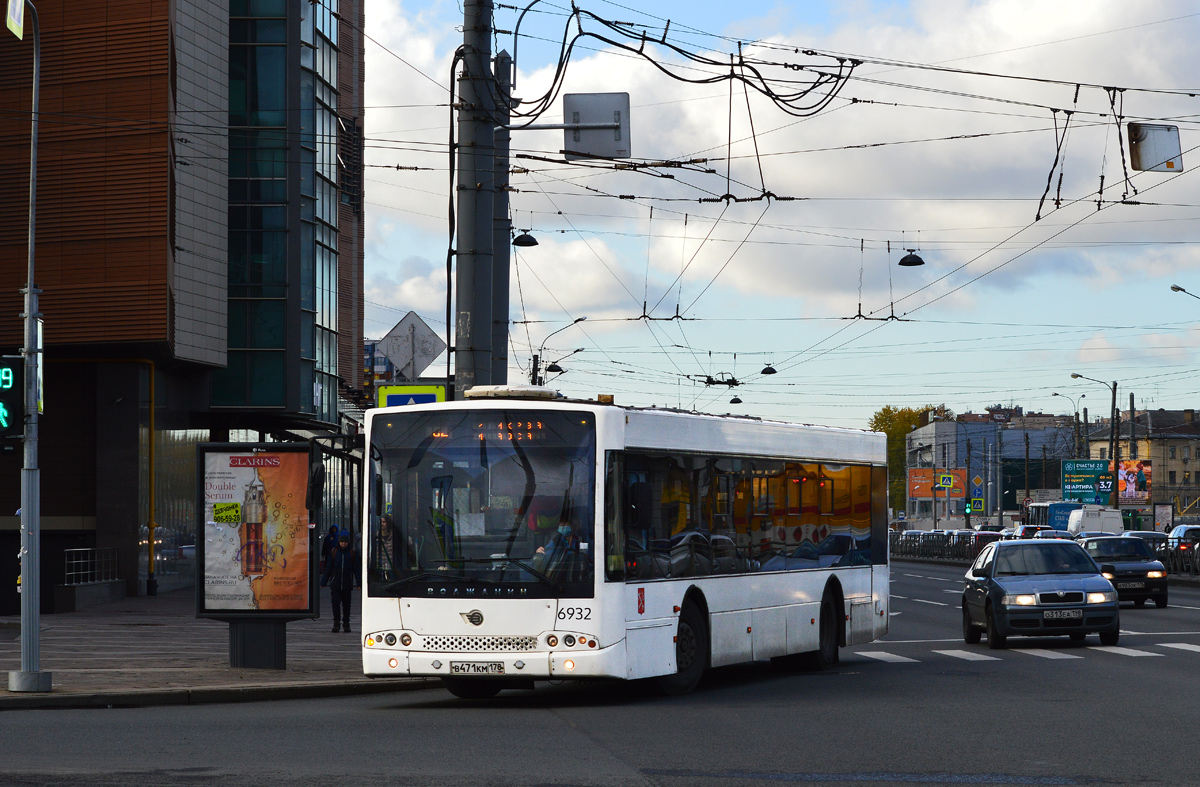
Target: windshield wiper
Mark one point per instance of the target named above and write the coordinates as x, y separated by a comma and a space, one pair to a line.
429, 576
520, 564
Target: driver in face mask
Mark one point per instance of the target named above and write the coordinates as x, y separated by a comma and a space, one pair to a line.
564, 538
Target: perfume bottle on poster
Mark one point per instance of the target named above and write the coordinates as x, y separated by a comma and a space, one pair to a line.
254, 517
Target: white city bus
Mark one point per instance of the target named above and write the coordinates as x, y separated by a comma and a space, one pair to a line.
517, 536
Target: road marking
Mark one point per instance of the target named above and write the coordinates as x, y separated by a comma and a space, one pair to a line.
903, 597
1180, 646
894, 614
966, 655
951, 590
935, 603
1048, 654
891, 658
1180, 606
1122, 651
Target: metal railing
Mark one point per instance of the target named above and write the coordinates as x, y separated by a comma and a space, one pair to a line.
957, 546
97, 564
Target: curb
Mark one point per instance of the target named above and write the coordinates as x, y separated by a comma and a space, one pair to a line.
207, 695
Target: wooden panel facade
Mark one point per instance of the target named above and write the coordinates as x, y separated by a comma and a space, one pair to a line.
104, 246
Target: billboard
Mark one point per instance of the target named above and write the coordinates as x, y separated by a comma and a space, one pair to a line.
920, 483
1133, 482
1086, 481
256, 543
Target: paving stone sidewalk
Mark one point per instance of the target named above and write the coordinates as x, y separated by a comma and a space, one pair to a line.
154, 651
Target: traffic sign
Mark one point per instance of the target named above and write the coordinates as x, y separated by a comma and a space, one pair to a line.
395, 395
411, 346
1027, 501
976, 504
16, 18
945, 481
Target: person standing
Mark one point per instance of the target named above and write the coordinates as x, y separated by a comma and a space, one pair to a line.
327, 545
342, 575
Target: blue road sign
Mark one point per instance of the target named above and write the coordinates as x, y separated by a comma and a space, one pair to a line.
394, 400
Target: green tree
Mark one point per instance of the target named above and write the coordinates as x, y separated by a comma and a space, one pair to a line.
896, 423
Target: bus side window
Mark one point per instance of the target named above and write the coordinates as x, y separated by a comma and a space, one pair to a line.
614, 521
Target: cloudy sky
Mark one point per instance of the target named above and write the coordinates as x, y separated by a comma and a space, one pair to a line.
942, 138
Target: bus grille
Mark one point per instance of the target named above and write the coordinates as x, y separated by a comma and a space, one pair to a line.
470, 644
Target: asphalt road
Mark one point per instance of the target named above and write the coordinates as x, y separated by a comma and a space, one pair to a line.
918, 707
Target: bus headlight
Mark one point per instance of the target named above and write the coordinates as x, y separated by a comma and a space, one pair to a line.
568, 665
552, 641
405, 639
390, 639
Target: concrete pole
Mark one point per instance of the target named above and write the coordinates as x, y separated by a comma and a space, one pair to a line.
30, 677
476, 191
501, 225
1112, 446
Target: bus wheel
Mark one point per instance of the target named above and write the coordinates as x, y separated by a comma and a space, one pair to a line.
472, 689
826, 654
691, 653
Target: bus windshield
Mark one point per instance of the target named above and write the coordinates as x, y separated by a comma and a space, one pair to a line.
482, 503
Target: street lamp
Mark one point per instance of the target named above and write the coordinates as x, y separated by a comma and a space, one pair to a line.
1177, 288
535, 374
1074, 408
1112, 439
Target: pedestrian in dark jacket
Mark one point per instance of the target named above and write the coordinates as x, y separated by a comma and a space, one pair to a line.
342, 575
327, 545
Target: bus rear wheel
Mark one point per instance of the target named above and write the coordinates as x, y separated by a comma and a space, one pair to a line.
691, 653
826, 654
472, 688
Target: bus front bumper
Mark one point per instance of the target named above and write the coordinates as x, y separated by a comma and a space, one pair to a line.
606, 662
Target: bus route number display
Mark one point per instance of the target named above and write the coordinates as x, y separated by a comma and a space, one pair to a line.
512, 431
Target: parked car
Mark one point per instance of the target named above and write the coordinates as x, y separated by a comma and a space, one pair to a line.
1052, 534
1138, 575
1038, 588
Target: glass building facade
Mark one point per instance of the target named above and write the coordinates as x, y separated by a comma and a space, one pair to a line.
283, 171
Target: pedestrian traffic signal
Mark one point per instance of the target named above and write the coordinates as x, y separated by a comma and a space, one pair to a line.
12, 396
968, 508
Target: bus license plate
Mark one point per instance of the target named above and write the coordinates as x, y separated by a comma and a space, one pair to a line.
477, 668
1130, 585
1055, 614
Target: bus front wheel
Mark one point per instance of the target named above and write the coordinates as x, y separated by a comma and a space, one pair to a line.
826, 654
472, 688
691, 653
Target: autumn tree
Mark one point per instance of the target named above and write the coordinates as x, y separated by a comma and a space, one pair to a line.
896, 423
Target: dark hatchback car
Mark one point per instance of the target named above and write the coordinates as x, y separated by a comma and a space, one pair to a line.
1036, 589
1138, 575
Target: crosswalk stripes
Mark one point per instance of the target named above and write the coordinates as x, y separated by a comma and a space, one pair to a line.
967, 655
1180, 646
1048, 654
1123, 651
891, 658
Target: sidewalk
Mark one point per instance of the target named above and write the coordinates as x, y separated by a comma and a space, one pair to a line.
154, 651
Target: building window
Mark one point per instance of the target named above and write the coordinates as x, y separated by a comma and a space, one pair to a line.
1103, 453
1171, 452
1171, 477
1187, 452
1187, 477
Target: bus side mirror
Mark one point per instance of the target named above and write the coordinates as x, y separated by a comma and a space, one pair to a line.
637, 506
315, 497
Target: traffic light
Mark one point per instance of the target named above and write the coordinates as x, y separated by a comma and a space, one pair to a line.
12, 396
968, 509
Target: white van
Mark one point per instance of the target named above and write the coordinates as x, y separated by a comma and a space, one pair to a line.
1095, 519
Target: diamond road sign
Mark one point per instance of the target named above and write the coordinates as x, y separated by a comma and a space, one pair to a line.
411, 346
